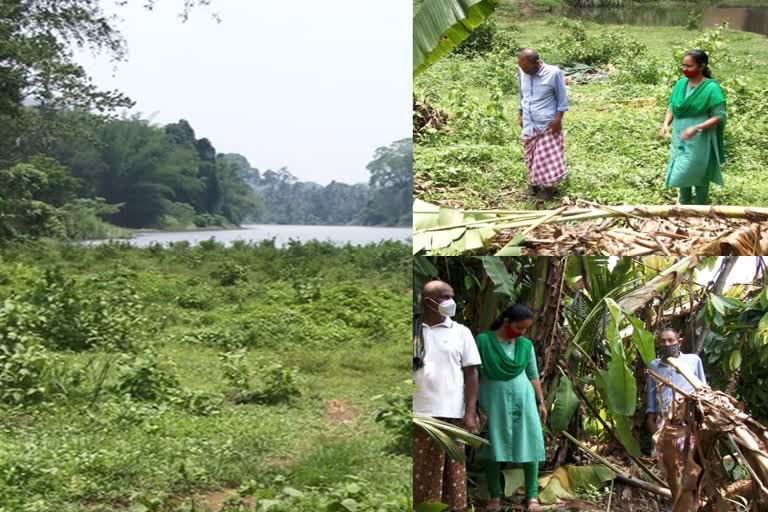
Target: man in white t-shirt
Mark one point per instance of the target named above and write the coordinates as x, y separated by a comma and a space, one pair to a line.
445, 361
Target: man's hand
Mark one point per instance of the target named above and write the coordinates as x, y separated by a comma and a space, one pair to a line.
470, 422
556, 125
650, 423
543, 413
664, 132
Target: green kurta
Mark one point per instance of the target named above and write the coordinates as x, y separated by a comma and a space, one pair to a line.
695, 162
514, 427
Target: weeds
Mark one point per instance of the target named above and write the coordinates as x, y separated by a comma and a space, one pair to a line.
397, 417
140, 415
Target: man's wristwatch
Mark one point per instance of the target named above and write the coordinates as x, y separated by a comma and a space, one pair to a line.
539, 402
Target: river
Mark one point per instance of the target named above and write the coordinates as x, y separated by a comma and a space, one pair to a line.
355, 235
749, 18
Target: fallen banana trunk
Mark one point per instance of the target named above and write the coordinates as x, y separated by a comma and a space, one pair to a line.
620, 475
588, 229
707, 421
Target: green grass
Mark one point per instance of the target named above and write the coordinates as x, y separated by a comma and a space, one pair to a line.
118, 453
613, 150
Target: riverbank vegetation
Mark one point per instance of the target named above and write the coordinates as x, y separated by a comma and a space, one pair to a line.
468, 152
190, 378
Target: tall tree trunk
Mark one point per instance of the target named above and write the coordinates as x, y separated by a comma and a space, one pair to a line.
547, 302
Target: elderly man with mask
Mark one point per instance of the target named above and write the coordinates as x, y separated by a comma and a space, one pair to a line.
543, 102
445, 361
659, 398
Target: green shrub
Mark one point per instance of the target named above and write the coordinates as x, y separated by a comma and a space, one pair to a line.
280, 385
577, 46
397, 417
480, 41
143, 377
307, 290
201, 299
641, 71
23, 360
276, 384
237, 375
104, 311
230, 274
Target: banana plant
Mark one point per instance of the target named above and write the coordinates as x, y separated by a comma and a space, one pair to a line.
441, 25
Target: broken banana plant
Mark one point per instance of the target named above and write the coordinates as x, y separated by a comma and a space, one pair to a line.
708, 425
591, 229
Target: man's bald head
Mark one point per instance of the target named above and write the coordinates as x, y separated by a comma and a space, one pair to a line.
435, 292
528, 60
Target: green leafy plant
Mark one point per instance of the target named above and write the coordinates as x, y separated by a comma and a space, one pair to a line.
144, 377
231, 274
396, 415
577, 45
280, 385
24, 362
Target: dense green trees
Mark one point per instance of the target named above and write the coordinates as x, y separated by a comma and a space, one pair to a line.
391, 185
385, 200
134, 174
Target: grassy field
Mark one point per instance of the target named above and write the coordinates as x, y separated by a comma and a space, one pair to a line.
613, 150
185, 379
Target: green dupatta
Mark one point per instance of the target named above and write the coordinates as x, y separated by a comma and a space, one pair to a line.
707, 95
497, 364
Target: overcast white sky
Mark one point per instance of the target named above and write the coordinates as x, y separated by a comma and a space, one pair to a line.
312, 86
742, 273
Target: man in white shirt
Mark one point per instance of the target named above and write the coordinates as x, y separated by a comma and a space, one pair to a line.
445, 362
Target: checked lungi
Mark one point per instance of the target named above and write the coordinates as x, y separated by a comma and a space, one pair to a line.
437, 477
545, 158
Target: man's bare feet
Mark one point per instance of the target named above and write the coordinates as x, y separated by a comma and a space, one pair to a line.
494, 504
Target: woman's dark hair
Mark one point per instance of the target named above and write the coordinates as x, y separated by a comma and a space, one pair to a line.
514, 313
701, 57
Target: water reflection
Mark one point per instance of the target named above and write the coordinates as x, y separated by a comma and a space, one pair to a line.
746, 18
282, 234
749, 19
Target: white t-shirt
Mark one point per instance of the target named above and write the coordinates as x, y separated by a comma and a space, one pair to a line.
448, 348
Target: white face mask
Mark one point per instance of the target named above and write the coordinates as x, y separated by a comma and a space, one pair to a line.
446, 308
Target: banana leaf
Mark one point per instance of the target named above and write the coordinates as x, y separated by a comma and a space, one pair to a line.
449, 437
624, 433
496, 270
643, 339
621, 388
566, 404
441, 25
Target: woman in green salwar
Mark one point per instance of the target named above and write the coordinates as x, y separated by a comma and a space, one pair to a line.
697, 115
508, 379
